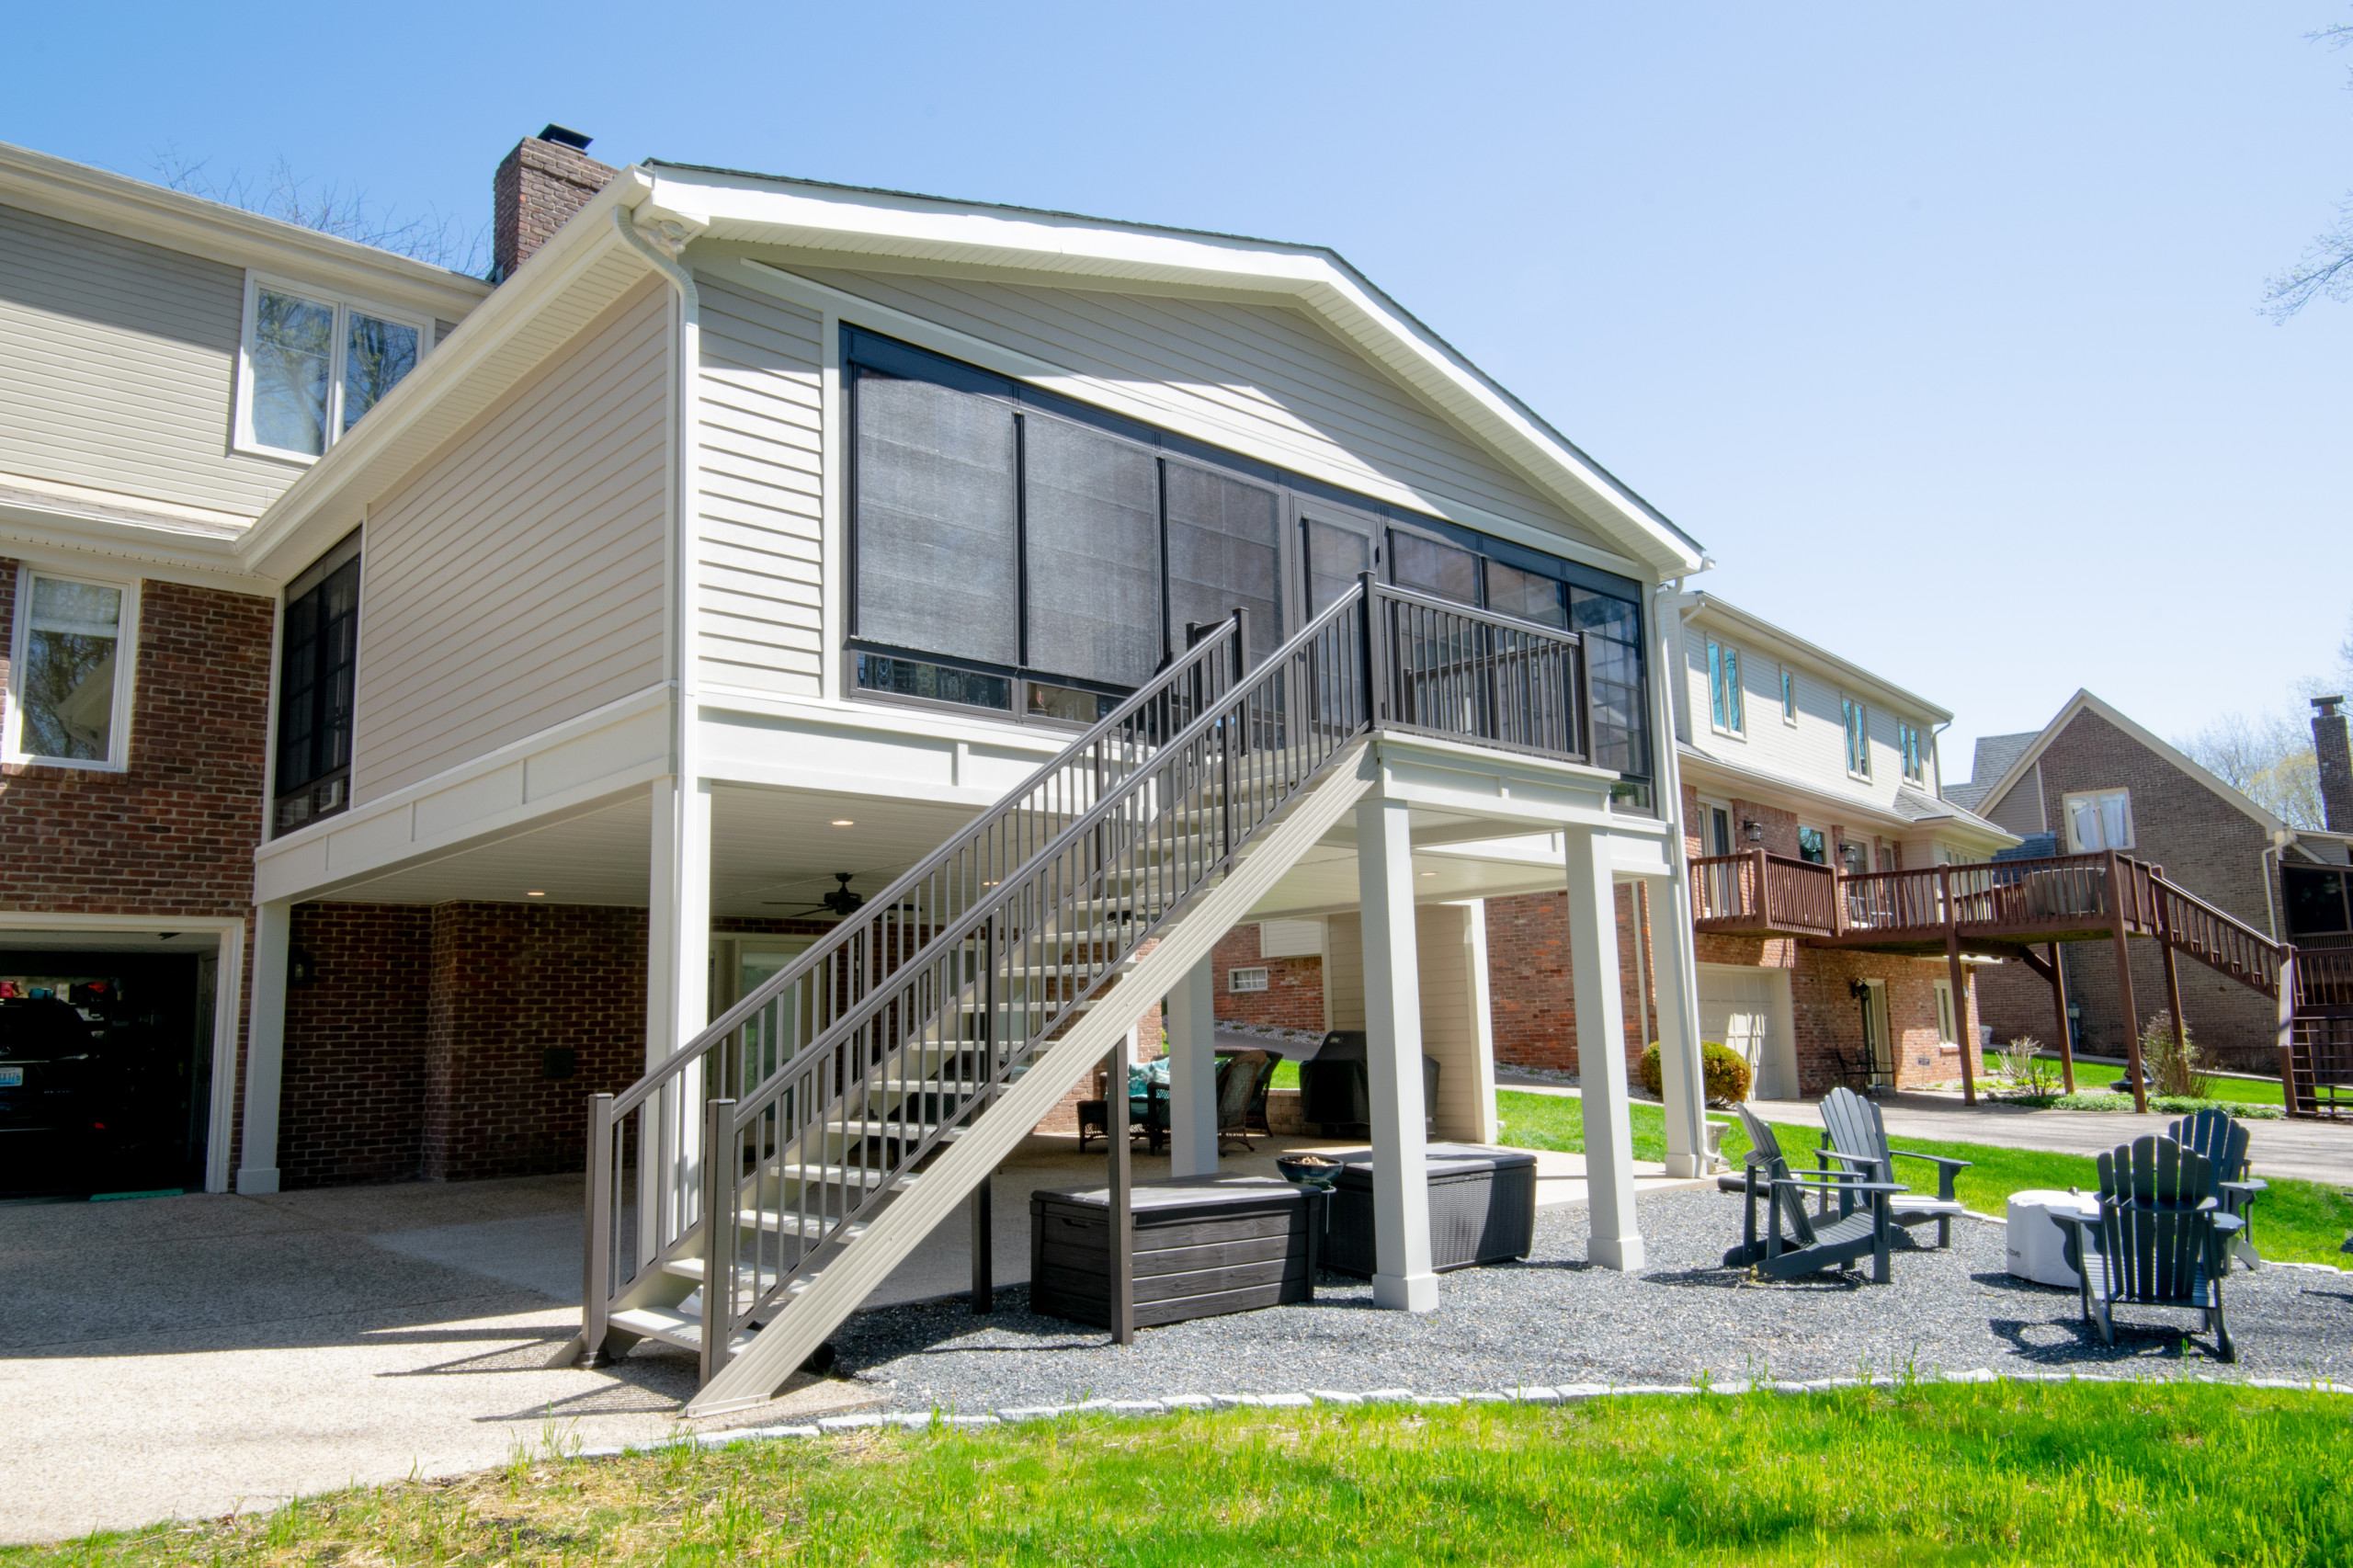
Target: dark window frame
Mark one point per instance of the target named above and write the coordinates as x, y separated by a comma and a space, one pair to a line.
314, 782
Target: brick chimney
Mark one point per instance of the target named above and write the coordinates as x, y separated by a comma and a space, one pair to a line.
541, 184
2336, 756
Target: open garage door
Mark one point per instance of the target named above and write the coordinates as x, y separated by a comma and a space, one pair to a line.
106, 1064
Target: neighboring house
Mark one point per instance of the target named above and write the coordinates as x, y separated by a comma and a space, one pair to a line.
1787, 748
2092, 781
537, 677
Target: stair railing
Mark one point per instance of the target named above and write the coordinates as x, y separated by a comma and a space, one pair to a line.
928, 1015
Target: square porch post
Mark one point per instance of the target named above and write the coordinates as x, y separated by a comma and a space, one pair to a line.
1192, 1074
1392, 1016
1682, 1070
1601, 1050
265, 1049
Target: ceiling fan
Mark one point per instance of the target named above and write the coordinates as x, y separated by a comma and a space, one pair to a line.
840, 902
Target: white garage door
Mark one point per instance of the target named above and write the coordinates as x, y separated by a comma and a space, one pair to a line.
1741, 1008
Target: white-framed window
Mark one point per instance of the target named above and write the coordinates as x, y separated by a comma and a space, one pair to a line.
1858, 737
2098, 819
70, 671
1724, 688
1245, 979
1948, 1027
312, 363
1789, 695
1907, 744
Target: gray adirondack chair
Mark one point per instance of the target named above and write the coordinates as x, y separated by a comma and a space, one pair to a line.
1855, 1135
2162, 1241
1240, 1078
2224, 1139
1810, 1245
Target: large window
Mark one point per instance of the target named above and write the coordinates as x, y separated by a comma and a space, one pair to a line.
2318, 903
1915, 760
313, 365
318, 665
1016, 552
69, 697
1725, 710
2098, 819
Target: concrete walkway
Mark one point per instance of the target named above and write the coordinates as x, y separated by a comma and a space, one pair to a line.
2306, 1151
184, 1358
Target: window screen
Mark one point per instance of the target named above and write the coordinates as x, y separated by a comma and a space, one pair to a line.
1429, 567
1336, 558
1222, 552
937, 534
1511, 591
1094, 553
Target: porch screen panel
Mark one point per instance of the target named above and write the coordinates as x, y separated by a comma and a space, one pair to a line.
1511, 591
1429, 567
1092, 507
1612, 629
1336, 557
938, 530
1224, 542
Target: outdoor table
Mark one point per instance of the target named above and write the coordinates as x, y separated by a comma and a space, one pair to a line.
2038, 1246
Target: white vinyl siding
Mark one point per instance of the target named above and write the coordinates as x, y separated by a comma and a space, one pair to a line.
516, 580
761, 531
118, 370
1279, 387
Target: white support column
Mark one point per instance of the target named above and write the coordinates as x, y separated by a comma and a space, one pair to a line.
1192, 1074
677, 958
1392, 1015
1482, 1014
264, 1048
1601, 1050
1682, 1073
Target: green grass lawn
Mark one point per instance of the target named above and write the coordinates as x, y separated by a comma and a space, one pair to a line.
2170, 1473
2295, 1221
2093, 1076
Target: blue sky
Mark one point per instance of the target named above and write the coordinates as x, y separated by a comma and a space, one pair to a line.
1938, 326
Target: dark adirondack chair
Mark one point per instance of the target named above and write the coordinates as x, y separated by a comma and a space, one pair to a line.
2162, 1239
1242, 1078
2224, 1139
1855, 1135
1810, 1245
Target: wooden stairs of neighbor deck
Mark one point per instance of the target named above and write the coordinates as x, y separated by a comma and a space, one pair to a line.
2007, 909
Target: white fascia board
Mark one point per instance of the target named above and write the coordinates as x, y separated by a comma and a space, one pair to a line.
62, 535
115, 204
338, 487
1704, 610
1703, 769
872, 222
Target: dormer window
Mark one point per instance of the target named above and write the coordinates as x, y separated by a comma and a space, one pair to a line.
312, 365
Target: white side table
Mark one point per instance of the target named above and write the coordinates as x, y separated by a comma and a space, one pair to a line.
2038, 1243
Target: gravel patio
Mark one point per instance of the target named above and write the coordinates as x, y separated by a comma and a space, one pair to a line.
1554, 1320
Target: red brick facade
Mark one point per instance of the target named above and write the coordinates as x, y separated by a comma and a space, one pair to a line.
2202, 841
538, 187
1532, 1004
351, 1101
1293, 998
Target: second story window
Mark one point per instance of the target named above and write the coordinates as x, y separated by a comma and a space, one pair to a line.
69, 696
1789, 696
1916, 760
313, 365
1858, 738
1724, 688
318, 669
2098, 819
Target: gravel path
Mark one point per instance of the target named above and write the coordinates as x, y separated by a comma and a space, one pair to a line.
1554, 1320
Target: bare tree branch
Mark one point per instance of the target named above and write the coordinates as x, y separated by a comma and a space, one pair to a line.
2326, 267
434, 238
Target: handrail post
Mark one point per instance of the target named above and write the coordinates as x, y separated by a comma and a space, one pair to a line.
720, 1177
2124, 981
2286, 1036
1957, 978
1376, 662
596, 1281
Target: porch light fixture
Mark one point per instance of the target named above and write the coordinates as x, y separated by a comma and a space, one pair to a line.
1753, 830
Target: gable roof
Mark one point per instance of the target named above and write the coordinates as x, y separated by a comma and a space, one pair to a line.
1994, 757
2084, 702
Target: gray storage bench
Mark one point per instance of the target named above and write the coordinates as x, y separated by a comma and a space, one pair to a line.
1202, 1246
1482, 1208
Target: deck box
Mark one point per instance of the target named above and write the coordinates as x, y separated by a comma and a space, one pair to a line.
1202, 1246
1482, 1208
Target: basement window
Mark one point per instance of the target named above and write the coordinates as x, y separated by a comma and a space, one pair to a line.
69, 673
1245, 979
311, 366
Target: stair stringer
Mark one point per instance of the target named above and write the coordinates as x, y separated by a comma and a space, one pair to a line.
757, 1374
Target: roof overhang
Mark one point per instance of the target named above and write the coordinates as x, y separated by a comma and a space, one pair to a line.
1967, 827
1706, 609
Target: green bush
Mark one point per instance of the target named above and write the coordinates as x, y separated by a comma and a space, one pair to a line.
1725, 1071
2169, 1105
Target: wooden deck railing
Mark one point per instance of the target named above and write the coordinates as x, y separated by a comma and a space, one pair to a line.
1757, 892
2323, 979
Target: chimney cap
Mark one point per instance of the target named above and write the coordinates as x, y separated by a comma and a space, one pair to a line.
565, 136
2327, 706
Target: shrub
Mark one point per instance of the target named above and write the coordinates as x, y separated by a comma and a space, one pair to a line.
2178, 1070
2020, 1069
1725, 1070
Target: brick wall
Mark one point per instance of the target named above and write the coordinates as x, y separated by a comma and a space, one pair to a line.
351, 1105
2204, 844
1533, 1006
1293, 998
174, 833
537, 188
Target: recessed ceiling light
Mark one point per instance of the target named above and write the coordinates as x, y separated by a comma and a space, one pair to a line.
844, 822
1429, 873
535, 895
